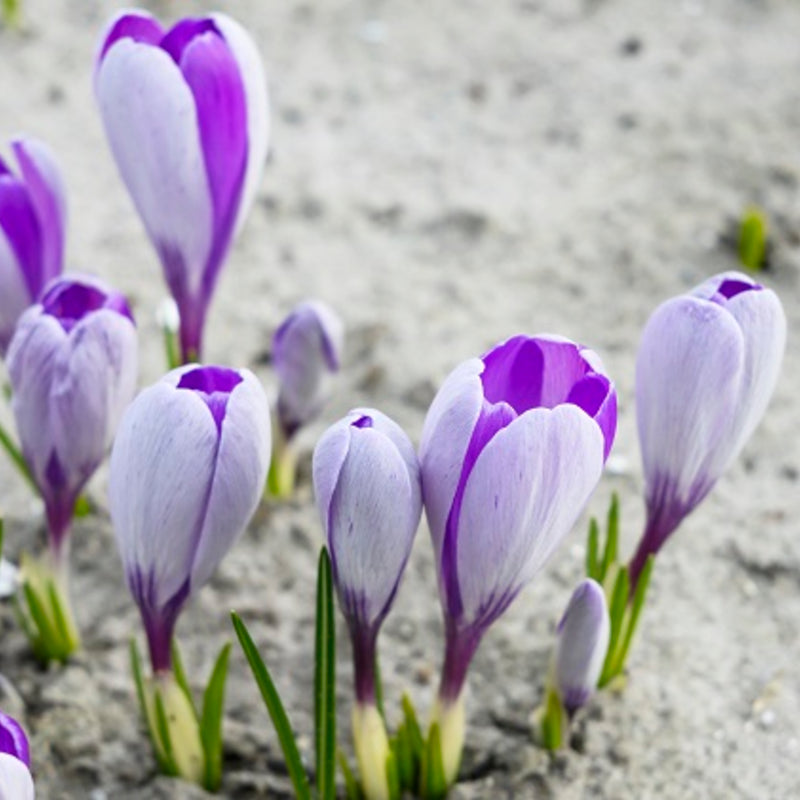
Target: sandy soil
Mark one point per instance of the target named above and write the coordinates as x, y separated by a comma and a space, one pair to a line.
447, 174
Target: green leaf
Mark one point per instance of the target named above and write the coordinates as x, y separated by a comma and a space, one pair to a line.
83, 507
753, 239
15, 454
592, 549
138, 679
553, 721
60, 620
392, 776
612, 537
616, 612
415, 737
275, 708
41, 623
401, 746
211, 721
171, 347
351, 787
637, 603
2, 534
325, 682
434, 781
179, 672
169, 766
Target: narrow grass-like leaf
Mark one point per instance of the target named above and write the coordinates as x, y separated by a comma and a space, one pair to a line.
162, 731
434, 781
45, 635
592, 549
275, 708
351, 787
83, 507
325, 682
15, 454
612, 538
637, 603
180, 673
404, 757
171, 347
138, 680
211, 721
415, 737
60, 620
23, 620
392, 776
753, 239
616, 612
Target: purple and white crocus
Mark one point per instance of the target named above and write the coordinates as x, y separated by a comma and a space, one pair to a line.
185, 111
187, 472
73, 368
15, 761
512, 448
707, 366
367, 487
32, 230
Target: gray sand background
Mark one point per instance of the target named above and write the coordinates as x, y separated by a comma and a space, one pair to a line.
446, 174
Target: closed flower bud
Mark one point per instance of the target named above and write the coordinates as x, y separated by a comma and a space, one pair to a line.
707, 365
583, 635
15, 761
185, 111
73, 365
32, 229
187, 471
512, 448
306, 353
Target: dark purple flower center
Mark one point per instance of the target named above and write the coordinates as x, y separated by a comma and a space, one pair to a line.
362, 422
731, 287
214, 386
69, 301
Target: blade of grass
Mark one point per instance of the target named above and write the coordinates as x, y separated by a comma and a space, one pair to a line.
276, 710
179, 672
592, 548
325, 682
415, 737
162, 731
351, 787
138, 680
434, 782
15, 454
616, 612
612, 538
637, 603
211, 720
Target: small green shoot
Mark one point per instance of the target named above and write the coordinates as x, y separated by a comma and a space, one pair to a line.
753, 233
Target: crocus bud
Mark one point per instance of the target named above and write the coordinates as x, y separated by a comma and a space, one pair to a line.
73, 365
15, 762
32, 228
707, 365
187, 471
583, 635
185, 111
512, 448
306, 353
367, 486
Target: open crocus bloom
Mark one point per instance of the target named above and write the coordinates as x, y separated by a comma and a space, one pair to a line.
707, 365
512, 448
32, 229
185, 111
15, 761
187, 472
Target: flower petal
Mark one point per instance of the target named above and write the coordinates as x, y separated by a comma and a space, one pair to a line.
151, 121
15, 296
329, 456
15, 779
255, 86
239, 474
21, 226
524, 494
136, 25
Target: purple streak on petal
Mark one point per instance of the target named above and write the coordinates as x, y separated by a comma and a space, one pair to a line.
594, 395
59, 502
212, 74
137, 26
731, 287
362, 422
214, 385
513, 374
21, 226
13, 739
43, 180
183, 33
492, 419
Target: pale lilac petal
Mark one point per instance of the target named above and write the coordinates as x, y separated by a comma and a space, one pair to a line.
151, 121
329, 456
689, 371
374, 514
213, 76
45, 186
524, 494
162, 466
583, 636
136, 25
255, 86
15, 779
15, 296
241, 468
445, 437
93, 382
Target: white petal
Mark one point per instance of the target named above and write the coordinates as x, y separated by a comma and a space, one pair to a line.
15, 779
445, 438
151, 122
329, 455
257, 98
239, 474
160, 476
524, 494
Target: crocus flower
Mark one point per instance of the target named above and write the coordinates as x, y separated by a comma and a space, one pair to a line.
15, 761
72, 364
367, 486
707, 365
185, 111
32, 227
512, 448
187, 471
306, 352
583, 636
